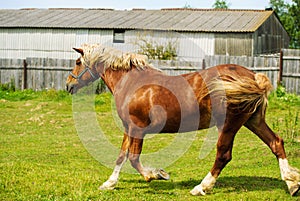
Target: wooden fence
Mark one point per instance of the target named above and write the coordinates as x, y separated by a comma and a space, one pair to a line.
283, 68
290, 70
39, 73
35, 73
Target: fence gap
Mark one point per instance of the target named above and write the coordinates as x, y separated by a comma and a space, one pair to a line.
24, 74
280, 68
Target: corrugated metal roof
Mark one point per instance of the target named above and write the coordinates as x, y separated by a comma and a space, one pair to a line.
195, 20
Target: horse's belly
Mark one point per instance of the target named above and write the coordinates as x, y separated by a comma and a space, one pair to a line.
189, 123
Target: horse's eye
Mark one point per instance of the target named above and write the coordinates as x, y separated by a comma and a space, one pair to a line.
78, 62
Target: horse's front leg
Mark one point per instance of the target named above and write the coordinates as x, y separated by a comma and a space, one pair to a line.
111, 183
149, 174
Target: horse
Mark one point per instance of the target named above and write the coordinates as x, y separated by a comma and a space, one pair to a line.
148, 101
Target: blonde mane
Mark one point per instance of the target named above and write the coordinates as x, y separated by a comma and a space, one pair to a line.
112, 58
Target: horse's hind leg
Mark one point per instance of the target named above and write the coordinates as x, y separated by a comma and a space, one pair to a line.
113, 179
224, 150
289, 174
224, 153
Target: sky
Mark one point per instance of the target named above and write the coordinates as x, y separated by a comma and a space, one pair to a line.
130, 4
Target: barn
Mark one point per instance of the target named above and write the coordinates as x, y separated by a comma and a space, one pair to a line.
51, 33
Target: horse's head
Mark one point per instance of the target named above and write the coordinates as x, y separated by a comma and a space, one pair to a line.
96, 59
82, 74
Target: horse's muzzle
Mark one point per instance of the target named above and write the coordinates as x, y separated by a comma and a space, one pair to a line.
71, 88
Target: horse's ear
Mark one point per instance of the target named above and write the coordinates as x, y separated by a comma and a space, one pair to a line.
79, 50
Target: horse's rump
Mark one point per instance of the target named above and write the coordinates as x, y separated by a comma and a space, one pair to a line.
242, 93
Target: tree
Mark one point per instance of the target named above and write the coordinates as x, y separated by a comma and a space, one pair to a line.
221, 4
187, 6
289, 15
280, 7
294, 24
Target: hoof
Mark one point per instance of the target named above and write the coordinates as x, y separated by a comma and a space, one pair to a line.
205, 186
156, 174
162, 175
197, 191
294, 189
108, 185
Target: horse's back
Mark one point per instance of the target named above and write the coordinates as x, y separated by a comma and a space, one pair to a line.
230, 69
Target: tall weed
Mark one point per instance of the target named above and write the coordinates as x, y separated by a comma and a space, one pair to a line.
287, 105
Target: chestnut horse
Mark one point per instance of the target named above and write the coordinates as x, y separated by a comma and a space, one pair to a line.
148, 101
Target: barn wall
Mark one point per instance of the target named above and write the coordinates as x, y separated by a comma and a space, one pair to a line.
271, 37
195, 46
191, 46
233, 44
20, 43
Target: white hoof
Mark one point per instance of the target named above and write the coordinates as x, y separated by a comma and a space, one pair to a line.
206, 185
108, 185
197, 191
293, 187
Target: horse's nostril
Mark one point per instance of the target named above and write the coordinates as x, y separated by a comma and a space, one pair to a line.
70, 88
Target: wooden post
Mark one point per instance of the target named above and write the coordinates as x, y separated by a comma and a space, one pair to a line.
24, 74
203, 64
280, 68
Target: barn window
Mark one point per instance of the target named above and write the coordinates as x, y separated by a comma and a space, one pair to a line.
119, 36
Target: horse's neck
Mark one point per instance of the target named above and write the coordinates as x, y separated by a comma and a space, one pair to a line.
112, 77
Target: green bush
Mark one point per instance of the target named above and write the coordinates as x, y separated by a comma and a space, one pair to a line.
158, 51
10, 86
280, 96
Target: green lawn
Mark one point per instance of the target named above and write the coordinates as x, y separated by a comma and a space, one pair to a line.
43, 158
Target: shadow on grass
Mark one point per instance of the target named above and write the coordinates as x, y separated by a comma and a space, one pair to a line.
224, 184
250, 183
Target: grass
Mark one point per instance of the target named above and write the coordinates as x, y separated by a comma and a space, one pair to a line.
43, 158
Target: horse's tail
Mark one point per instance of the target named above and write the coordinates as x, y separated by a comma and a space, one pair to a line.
243, 93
